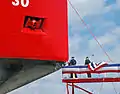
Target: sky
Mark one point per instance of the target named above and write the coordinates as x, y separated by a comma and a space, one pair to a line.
102, 17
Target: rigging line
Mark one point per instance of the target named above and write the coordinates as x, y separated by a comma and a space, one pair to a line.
100, 88
114, 88
90, 31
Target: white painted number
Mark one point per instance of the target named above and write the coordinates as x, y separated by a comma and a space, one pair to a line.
24, 5
17, 2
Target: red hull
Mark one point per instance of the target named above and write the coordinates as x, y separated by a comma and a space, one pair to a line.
17, 42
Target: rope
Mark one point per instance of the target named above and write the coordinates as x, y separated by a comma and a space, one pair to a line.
90, 31
100, 88
114, 88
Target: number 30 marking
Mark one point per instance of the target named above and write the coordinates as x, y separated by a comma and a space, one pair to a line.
17, 2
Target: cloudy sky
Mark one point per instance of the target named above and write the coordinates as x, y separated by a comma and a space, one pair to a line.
102, 17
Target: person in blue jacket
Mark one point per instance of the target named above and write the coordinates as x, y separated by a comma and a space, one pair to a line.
72, 62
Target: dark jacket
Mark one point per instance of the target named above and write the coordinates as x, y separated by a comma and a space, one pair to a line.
73, 62
87, 61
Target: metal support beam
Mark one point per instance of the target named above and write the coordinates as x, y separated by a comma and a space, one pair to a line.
80, 88
67, 88
72, 88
